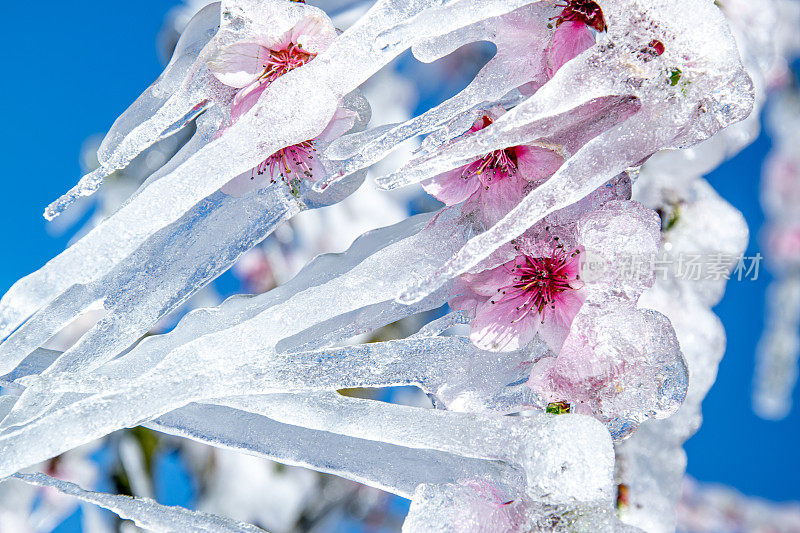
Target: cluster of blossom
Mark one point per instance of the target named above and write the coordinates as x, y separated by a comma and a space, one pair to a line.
533, 161
776, 373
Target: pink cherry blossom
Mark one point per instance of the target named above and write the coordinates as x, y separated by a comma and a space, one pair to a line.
572, 36
295, 163
494, 184
248, 65
251, 66
538, 291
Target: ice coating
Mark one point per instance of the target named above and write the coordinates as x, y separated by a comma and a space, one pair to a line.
710, 507
668, 115
651, 463
357, 459
260, 374
290, 325
521, 38
144, 512
479, 505
133, 395
148, 211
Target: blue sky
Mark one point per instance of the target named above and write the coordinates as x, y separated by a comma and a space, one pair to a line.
71, 70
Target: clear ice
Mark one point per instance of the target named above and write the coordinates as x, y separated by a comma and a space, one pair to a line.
587, 436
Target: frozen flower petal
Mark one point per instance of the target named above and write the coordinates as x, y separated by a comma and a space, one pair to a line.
535, 163
343, 121
238, 64
499, 197
451, 187
555, 327
498, 327
569, 40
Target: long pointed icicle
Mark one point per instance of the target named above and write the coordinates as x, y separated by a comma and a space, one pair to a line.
483, 88
349, 61
144, 512
357, 459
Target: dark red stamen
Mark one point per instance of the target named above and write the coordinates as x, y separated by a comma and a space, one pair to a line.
657, 47
282, 61
538, 280
585, 11
499, 163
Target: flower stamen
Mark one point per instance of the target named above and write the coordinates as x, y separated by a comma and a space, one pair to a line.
282, 61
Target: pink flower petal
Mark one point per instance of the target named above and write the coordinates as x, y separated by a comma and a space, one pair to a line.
462, 298
556, 325
535, 163
317, 170
487, 282
496, 327
502, 196
342, 121
238, 64
313, 33
451, 187
245, 183
246, 98
569, 40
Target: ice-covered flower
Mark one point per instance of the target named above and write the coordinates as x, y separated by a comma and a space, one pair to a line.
570, 39
252, 64
495, 183
573, 34
491, 509
619, 363
538, 291
295, 163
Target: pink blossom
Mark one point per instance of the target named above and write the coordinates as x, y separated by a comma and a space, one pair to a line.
248, 65
578, 376
783, 243
572, 36
538, 291
251, 66
612, 366
569, 40
295, 163
495, 183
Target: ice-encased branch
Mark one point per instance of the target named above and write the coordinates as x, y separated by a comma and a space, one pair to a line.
144, 512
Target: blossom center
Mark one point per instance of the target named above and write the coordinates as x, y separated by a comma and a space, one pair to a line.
498, 164
539, 280
282, 61
291, 163
586, 11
